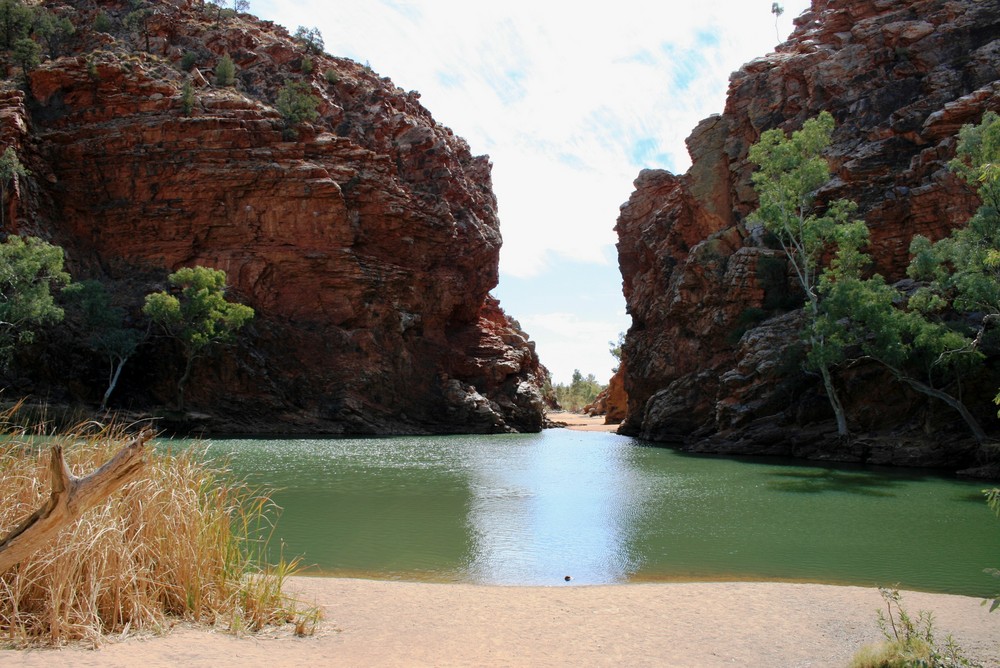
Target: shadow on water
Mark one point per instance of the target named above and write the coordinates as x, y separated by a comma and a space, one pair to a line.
831, 480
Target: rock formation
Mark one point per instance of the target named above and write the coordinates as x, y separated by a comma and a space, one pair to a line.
712, 357
366, 241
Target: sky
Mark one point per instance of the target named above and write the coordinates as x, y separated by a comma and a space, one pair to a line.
570, 101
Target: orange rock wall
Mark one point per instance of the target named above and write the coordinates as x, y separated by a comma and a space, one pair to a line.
367, 244
900, 79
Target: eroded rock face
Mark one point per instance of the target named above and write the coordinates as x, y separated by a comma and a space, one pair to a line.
367, 242
711, 359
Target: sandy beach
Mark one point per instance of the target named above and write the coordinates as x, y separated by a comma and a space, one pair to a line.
379, 623
581, 422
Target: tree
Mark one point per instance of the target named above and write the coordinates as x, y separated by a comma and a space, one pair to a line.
311, 38
54, 32
137, 21
777, 10
28, 54
29, 269
580, 392
15, 22
197, 315
791, 172
922, 339
296, 103
616, 349
109, 336
10, 170
225, 71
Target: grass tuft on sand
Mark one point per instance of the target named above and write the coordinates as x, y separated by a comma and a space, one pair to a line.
183, 542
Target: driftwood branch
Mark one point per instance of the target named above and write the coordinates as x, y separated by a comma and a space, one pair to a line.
70, 498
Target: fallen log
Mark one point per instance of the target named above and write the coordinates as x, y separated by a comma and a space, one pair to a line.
70, 498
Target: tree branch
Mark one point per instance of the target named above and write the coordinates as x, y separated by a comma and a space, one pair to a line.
70, 498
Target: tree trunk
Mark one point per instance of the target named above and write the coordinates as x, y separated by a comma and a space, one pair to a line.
113, 381
70, 498
970, 420
838, 408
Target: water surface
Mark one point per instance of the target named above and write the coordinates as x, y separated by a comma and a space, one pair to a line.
602, 508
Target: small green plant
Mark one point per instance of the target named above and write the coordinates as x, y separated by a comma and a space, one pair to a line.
307, 65
102, 22
225, 71
188, 60
11, 170
749, 318
92, 69
187, 98
331, 76
993, 498
908, 642
296, 104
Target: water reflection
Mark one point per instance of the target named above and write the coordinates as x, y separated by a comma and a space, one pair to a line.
530, 526
531, 509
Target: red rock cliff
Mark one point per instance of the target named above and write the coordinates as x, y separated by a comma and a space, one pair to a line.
368, 244
900, 78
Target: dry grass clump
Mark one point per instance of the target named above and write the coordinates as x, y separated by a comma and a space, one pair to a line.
184, 541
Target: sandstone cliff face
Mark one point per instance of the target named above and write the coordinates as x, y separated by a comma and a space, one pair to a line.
701, 368
367, 244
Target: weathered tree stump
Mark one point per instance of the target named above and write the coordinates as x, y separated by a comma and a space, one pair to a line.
70, 498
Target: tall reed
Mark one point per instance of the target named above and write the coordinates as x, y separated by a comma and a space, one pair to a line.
185, 541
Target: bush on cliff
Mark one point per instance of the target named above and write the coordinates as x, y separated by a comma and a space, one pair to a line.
296, 104
225, 71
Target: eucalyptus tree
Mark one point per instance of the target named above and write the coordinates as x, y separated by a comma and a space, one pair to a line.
109, 335
791, 171
197, 314
30, 269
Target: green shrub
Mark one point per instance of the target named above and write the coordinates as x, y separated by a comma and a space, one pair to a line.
102, 22
225, 71
188, 60
307, 65
296, 103
187, 98
331, 76
908, 642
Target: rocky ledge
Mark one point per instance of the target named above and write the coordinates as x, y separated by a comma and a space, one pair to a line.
367, 241
900, 79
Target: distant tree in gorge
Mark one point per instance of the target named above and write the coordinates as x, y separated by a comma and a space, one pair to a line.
197, 314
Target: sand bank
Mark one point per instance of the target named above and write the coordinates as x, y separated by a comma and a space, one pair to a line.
377, 623
581, 422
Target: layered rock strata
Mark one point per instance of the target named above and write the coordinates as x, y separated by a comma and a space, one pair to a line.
713, 357
367, 241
